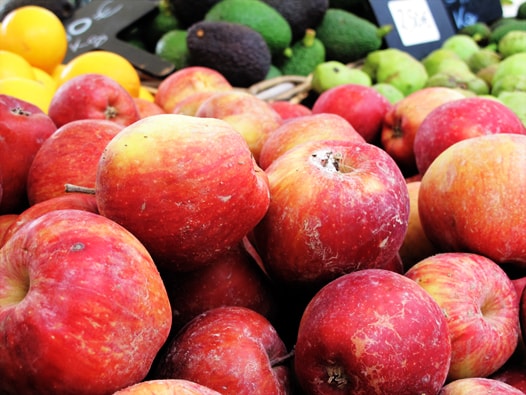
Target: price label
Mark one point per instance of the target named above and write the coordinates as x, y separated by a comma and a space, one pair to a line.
419, 26
414, 21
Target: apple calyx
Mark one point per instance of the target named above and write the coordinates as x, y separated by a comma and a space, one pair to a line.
337, 376
78, 188
332, 161
110, 112
20, 111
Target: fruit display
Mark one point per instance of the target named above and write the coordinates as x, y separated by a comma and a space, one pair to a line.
297, 208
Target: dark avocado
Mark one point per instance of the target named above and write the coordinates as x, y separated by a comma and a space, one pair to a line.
301, 14
236, 51
190, 11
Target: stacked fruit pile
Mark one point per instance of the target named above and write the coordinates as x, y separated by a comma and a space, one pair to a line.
199, 239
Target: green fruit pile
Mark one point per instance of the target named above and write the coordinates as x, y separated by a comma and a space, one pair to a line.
298, 36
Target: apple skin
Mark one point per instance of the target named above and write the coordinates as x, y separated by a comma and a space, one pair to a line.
184, 82
481, 306
23, 130
232, 279
77, 201
336, 206
6, 220
292, 132
147, 107
190, 104
92, 96
416, 245
402, 121
458, 120
362, 106
513, 373
288, 110
460, 210
230, 349
69, 156
96, 313
252, 117
187, 187
479, 385
167, 387
368, 332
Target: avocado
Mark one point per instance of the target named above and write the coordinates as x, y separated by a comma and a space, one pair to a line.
190, 11
257, 15
301, 14
305, 55
506, 27
238, 52
348, 37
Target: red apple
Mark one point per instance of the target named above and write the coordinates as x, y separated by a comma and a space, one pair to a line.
147, 107
230, 349
459, 120
479, 386
92, 96
361, 105
481, 306
167, 387
372, 332
292, 132
402, 121
289, 109
190, 104
83, 309
6, 220
232, 279
77, 201
513, 374
337, 206
182, 83
471, 198
416, 245
252, 117
23, 129
187, 187
69, 156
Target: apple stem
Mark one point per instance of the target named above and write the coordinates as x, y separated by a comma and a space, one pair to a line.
78, 188
281, 360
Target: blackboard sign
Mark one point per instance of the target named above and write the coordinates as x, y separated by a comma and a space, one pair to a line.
467, 12
97, 24
420, 26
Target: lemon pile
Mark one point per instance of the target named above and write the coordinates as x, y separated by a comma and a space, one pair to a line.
33, 47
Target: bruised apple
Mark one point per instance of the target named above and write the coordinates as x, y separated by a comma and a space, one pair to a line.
323, 126
83, 309
458, 120
187, 187
92, 96
471, 198
230, 349
337, 206
23, 130
69, 156
372, 332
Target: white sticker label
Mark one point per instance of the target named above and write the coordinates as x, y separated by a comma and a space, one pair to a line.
414, 21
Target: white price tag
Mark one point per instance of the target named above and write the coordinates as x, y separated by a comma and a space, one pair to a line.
414, 21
